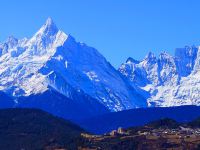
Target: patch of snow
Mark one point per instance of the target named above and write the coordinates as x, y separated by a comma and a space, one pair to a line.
92, 76
66, 64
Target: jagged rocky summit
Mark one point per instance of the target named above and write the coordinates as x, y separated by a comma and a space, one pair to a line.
170, 80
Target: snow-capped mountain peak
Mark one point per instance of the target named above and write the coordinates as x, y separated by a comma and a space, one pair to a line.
48, 29
150, 55
52, 59
47, 37
21, 60
12, 41
131, 60
170, 80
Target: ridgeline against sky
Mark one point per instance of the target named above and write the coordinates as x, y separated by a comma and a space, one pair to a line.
118, 29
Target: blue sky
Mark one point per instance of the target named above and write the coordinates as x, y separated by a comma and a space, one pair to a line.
118, 29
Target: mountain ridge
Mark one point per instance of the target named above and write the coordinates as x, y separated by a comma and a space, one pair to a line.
137, 117
170, 80
35, 129
53, 60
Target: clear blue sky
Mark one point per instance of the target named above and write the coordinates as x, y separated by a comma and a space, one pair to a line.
117, 28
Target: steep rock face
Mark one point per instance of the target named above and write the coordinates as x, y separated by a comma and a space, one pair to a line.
168, 70
196, 67
150, 70
84, 68
53, 60
143, 72
186, 59
170, 81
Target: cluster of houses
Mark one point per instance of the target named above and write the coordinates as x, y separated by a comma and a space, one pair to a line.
119, 131
182, 132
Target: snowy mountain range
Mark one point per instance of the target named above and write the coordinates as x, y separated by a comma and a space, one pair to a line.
170, 80
53, 60
52, 71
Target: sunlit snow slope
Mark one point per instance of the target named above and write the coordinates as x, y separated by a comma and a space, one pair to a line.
54, 60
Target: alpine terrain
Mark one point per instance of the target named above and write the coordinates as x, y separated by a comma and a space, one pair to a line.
53, 72
170, 80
